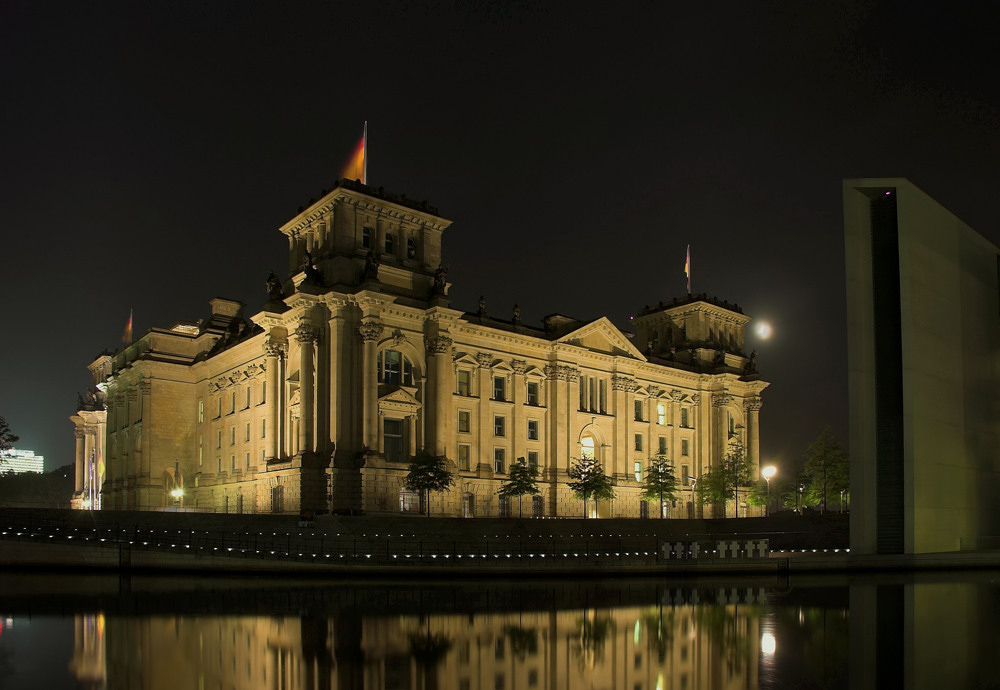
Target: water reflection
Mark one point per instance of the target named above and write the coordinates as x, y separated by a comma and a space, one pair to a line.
873, 632
689, 639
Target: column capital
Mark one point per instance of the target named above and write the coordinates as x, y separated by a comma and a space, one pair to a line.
676, 395
275, 347
753, 404
370, 330
623, 383
439, 345
519, 366
306, 332
562, 372
721, 399
78, 432
485, 360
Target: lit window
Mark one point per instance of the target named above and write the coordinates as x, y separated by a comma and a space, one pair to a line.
409, 502
390, 243
463, 457
499, 460
661, 414
499, 388
411, 248
587, 448
392, 433
499, 424
201, 451
532, 392
464, 382
201, 411
637, 468
532, 430
638, 442
463, 421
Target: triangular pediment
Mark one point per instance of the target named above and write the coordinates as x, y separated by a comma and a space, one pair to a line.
400, 396
602, 336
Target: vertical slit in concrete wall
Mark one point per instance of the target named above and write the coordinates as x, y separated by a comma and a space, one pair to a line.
888, 374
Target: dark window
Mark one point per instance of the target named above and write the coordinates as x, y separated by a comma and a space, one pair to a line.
411, 248
394, 368
390, 243
366, 238
463, 421
499, 460
638, 410
499, 388
532, 430
499, 425
464, 382
393, 436
532, 393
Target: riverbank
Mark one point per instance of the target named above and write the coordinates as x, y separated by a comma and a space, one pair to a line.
410, 546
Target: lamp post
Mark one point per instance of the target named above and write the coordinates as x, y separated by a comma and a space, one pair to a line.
694, 483
767, 473
800, 499
176, 494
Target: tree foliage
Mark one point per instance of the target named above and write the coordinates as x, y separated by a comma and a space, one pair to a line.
660, 484
521, 480
827, 469
428, 472
7, 438
720, 483
31, 490
589, 480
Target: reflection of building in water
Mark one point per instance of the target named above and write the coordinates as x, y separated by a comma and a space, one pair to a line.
648, 648
88, 662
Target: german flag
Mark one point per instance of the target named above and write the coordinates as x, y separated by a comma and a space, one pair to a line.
357, 164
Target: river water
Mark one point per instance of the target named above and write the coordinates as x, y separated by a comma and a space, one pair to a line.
917, 630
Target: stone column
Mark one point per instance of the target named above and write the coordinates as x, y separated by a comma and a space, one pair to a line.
439, 399
518, 421
306, 335
370, 331
485, 422
275, 351
720, 404
80, 459
752, 406
411, 433
623, 415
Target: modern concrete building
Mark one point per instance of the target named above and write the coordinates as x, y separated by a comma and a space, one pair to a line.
358, 362
16, 461
923, 305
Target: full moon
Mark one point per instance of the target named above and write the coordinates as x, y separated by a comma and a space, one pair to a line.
763, 330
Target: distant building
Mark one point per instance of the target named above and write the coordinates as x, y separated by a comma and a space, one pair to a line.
358, 361
923, 306
15, 461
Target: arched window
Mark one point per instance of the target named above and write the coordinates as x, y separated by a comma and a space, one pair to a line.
394, 368
366, 238
411, 248
587, 448
390, 243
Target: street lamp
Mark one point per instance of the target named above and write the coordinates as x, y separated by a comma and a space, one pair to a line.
176, 494
797, 500
767, 473
694, 483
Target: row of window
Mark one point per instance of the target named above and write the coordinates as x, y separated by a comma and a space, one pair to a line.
499, 387
248, 398
232, 434
389, 243
499, 425
499, 459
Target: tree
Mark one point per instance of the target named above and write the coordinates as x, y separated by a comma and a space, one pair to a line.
827, 468
660, 482
428, 473
589, 480
720, 483
521, 480
7, 439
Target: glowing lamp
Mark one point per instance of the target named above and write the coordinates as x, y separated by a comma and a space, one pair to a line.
768, 644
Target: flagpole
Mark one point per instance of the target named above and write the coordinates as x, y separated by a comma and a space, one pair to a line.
364, 143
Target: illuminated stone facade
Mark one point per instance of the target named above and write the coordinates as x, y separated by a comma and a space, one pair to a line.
358, 361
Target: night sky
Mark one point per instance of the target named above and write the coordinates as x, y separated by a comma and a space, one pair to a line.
150, 151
